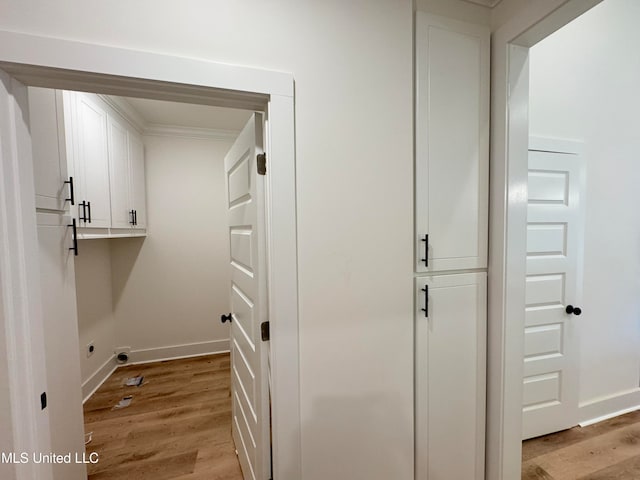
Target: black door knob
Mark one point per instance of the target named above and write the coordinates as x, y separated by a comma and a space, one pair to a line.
575, 310
224, 318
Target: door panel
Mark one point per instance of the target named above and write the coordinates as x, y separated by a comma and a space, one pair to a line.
452, 144
119, 173
92, 164
554, 229
46, 121
249, 385
138, 188
450, 377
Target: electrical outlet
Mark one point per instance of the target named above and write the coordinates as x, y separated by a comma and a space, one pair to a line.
90, 349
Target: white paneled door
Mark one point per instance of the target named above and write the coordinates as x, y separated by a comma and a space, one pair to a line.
249, 374
554, 233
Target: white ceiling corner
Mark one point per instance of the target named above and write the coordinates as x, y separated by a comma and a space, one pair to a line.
159, 114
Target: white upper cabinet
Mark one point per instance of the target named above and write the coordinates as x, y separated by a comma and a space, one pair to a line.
53, 186
452, 144
108, 166
137, 186
90, 160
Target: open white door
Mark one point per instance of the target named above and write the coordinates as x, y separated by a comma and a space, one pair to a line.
249, 359
554, 231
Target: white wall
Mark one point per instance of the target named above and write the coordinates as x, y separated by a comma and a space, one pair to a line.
171, 288
352, 63
96, 322
584, 86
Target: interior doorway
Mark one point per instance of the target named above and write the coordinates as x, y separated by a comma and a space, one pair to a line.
516, 153
221, 85
153, 275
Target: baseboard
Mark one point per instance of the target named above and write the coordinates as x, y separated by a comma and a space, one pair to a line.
175, 352
603, 408
98, 377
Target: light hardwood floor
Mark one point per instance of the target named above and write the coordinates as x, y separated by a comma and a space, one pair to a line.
178, 425
608, 450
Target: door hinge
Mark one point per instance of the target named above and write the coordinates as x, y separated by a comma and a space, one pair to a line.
262, 163
264, 331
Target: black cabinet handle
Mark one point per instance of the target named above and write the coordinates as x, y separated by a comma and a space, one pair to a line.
426, 301
426, 250
89, 209
83, 218
75, 237
71, 195
135, 217
131, 219
571, 309
224, 318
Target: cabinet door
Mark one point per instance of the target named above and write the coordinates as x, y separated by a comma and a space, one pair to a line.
138, 187
64, 393
450, 376
119, 169
49, 153
91, 161
452, 144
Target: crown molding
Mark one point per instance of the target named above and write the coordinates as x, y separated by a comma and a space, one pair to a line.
161, 130
126, 110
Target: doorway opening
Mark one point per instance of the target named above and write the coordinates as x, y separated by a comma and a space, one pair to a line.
582, 96
222, 86
150, 247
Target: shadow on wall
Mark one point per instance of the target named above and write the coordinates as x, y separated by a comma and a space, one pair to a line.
332, 430
124, 253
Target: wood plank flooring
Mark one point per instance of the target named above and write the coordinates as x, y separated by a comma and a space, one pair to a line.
608, 450
178, 425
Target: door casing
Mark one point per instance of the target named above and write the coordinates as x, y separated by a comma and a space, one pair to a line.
507, 223
62, 64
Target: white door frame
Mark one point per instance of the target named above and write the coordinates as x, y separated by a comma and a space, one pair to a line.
56, 63
508, 207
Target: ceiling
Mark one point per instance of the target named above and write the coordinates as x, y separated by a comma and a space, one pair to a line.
157, 112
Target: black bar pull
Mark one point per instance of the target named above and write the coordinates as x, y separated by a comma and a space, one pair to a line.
225, 318
135, 217
426, 301
131, 220
75, 237
426, 250
89, 208
83, 218
71, 195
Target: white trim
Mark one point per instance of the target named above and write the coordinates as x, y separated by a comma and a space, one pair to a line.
69, 57
610, 406
21, 316
161, 130
175, 352
70, 65
97, 378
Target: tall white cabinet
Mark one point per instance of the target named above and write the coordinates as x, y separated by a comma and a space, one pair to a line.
56, 239
451, 240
